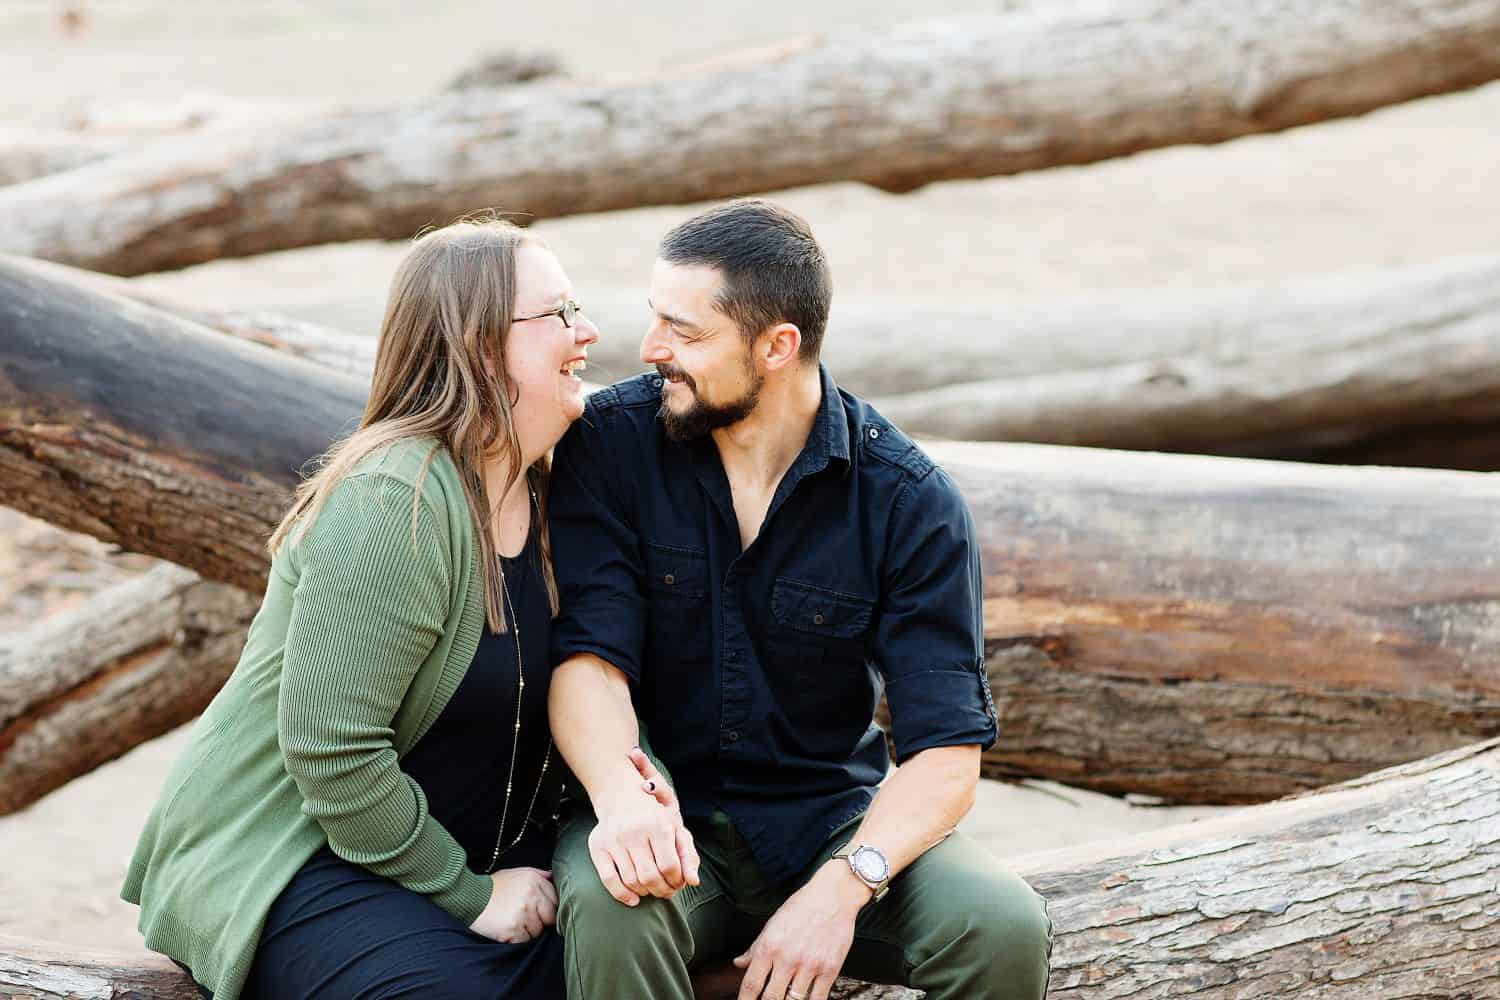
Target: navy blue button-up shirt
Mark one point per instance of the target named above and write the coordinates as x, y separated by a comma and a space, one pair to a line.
757, 672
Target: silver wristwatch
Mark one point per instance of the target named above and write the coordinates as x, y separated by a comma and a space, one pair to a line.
868, 865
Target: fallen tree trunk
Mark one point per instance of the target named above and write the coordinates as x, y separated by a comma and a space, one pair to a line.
1034, 87
1220, 630
1199, 629
1393, 367
338, 350
1384, 887
150, 432
1301, 368
109, 127
136, 660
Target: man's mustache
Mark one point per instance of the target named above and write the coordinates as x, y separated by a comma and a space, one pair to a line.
676, 374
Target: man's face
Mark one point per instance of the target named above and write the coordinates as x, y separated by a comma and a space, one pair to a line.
710, 378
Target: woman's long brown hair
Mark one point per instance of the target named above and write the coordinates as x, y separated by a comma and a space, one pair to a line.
446, 324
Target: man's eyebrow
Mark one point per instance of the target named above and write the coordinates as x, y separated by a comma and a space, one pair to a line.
674, 320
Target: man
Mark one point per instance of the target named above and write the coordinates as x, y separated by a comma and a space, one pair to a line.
744, 554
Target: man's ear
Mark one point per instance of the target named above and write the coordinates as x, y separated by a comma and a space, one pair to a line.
780, 346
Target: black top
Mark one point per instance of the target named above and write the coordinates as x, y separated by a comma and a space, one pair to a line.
463, 760
757, 672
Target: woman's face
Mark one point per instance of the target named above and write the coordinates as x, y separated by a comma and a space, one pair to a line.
543, 357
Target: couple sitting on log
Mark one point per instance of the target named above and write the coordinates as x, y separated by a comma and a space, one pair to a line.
426, 777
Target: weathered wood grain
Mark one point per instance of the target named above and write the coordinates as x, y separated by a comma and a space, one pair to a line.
136, 660
1226, 630
1383, 887
1036, 86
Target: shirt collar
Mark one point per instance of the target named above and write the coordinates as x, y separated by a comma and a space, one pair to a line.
830, 434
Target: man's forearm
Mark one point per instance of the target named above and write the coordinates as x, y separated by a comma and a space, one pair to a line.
920, 804
594, 724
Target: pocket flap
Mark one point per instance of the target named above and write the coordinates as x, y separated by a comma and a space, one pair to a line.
820, 611
676, 571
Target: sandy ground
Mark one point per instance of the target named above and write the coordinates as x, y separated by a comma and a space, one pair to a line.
1408, 184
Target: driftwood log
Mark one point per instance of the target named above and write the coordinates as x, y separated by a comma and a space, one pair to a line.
1198, 629
1229, 630
111, 127
84, 686
1384, 887
1033, 87
1323, 367
1394, 367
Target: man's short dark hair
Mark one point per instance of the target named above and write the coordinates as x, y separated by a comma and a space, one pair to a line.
774, 271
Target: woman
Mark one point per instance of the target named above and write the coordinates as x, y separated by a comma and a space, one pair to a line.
359, 811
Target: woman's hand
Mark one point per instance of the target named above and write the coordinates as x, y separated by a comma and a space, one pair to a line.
523, 905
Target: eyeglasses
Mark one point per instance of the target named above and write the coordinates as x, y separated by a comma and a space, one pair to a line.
567, 312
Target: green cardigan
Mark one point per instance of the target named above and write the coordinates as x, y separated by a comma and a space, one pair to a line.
366, 629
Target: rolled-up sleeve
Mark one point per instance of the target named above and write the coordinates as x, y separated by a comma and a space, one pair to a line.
595, 548
930, 644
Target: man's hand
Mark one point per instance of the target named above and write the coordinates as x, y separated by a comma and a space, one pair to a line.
640, 846
802, 947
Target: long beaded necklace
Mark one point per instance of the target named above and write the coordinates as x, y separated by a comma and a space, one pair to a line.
515, 746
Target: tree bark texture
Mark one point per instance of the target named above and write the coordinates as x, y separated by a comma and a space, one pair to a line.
1033, 87
150, 432
136, 660
1199, 629
1383, 887
1225, 630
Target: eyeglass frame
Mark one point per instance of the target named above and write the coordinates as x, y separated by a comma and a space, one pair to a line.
561, 312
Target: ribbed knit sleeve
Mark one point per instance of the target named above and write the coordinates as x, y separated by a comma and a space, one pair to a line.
370, 604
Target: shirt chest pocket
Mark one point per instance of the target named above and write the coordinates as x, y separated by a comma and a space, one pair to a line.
819, 627
677, 627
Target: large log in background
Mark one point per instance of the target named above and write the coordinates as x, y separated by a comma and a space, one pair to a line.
149, 432
1398, 366
1319, 366
111, 127
84, 686
1384, 887
1199, 629
1042, 85
1229, 630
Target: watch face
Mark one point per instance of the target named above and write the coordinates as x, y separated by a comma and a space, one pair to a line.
870, 864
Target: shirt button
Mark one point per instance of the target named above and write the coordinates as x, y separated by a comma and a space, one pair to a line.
818, 619
874, 433
732, 736
669, 579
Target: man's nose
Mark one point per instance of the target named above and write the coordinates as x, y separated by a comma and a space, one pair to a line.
654, 349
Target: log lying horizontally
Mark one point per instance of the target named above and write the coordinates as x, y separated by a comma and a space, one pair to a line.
1401, 364
136, 660
1226, 630
1384, 887
1037, 86
1200, 629
147, 431
108, 128
1261, 370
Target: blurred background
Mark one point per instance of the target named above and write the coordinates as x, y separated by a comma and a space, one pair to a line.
1405, 185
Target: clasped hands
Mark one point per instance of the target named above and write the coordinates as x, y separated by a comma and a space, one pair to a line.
641, 847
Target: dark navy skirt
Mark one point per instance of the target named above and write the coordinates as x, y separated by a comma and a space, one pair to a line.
339, 931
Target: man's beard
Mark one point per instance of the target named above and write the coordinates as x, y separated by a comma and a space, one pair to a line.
700, 418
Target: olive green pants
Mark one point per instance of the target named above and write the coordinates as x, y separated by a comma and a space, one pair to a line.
955, 923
